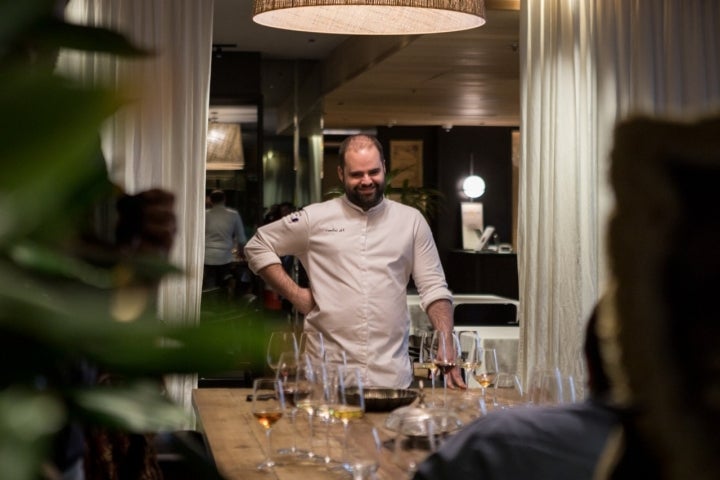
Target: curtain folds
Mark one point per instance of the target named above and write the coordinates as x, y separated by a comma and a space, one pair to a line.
158, 139
586, 65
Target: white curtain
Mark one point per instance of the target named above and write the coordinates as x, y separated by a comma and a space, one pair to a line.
158, 140
585, 65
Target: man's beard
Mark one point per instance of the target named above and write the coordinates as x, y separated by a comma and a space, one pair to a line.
366, 201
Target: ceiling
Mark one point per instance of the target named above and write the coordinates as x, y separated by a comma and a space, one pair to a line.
450, 79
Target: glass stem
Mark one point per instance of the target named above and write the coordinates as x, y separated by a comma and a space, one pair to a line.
293, 447
311, 427
327, 441
345, 443
445, 390
269, 445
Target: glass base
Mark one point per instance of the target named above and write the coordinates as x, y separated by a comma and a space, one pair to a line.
267, 464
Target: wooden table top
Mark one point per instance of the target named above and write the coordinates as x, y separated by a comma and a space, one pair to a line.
237, 441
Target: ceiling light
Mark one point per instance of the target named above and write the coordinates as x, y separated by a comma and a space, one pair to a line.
370, 17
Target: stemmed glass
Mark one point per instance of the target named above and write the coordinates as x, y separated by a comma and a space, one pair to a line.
334, 363
349, 403
445, 350
426, 358
486, 369
364, 451
286, 367
287, 372
279, 342
268, 406
313, 344
414, 441
546, 386
470, 350
508, 391
311, 393
334, 356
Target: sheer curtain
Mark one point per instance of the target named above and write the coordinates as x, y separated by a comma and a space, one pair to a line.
585, 65
158, 140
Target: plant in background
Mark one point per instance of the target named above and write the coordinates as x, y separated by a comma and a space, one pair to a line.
57, 287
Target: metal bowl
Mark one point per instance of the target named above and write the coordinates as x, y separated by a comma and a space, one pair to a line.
387, 399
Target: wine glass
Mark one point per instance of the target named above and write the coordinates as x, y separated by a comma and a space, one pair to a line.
445, 350
364, 450
310, 393
546, 386
508, 391
287, 372
349, 404
279, 342
268, 406
313, 344
286, 367
334, 355
425, 358
486, 369
470, 350
414, 440
569, 389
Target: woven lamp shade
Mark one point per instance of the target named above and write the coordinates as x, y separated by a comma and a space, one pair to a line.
370, 17
224, 147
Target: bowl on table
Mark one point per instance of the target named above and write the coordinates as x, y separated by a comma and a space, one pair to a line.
379, 399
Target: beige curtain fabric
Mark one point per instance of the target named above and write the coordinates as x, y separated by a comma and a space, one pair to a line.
585, 65
158, 140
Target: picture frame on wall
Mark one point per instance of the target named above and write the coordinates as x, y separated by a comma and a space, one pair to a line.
406, 158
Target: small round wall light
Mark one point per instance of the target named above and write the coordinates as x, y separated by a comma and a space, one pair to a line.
473, 186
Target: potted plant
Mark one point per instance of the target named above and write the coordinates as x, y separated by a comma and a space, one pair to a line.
56, 287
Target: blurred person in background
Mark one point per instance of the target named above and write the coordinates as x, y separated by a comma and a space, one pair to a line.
224, 235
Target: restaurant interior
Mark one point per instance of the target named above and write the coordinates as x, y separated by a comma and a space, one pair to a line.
530, 101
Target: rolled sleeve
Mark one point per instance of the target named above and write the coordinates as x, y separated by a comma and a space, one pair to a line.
428, 273
287, 236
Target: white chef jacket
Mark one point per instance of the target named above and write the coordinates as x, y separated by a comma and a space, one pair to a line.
359, 264
223, 230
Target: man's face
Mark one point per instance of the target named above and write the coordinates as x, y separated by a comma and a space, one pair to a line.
363, 177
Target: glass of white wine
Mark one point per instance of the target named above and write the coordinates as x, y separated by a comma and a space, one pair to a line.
268, 406
349, 404
486, 369
445, 350
310, 395
425, 358
470, 349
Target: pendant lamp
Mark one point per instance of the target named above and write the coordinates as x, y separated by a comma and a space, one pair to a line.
370, 17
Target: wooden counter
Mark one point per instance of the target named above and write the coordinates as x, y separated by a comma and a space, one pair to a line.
237, 442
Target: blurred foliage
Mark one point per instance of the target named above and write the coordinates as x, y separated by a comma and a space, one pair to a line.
55, 290
428, 201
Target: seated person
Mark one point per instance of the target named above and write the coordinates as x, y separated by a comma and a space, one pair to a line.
536, 442
661, 327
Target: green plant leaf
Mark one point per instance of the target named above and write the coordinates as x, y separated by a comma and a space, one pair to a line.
54, 32
138, 407
28, 421
51, 156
